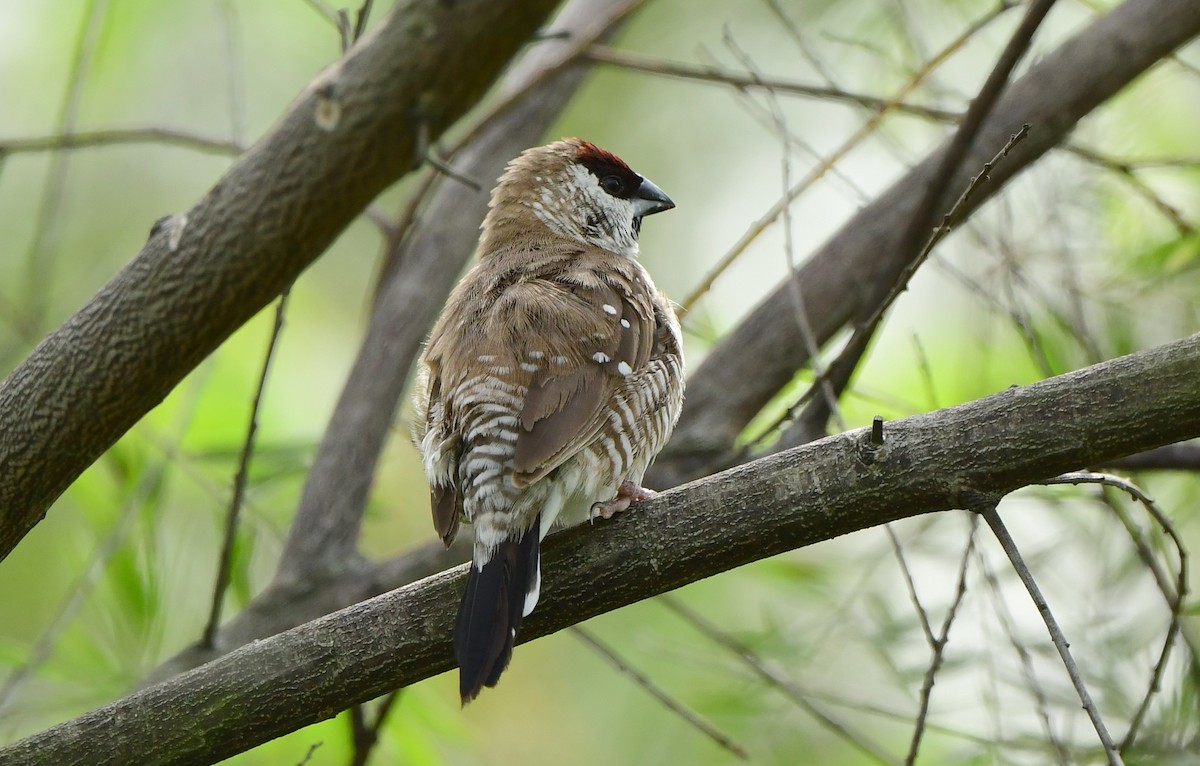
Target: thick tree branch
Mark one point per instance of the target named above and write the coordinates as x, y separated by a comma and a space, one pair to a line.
350, 134
829, 488
1053, 96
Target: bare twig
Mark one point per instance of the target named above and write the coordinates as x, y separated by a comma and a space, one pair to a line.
879, 112
149, 485
1173, 457
860, 741
602, 54
43, 250
987, 508
938, 647
922, 615
361, 19
781, 127
324, 10
1003, 614
232, 40
117, 137
428, 150
225, 563
842, 369
1127, 172
658, 693
838, 373
1173, 593
802, 45
364, 734
309, 753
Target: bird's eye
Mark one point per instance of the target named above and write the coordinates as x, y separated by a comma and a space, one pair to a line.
612, 184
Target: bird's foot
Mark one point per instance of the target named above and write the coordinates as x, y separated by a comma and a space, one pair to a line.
627, 494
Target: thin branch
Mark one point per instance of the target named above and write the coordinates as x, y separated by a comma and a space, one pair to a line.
637, 62
794, 31
225, 562
1003, 614
309, 753
234, 66
987, 508
658, 693
120, 136
323, 9
789, 688
149, 485
922, 615
857, 739
43, 250
1128, 173
779, 122
361, 18
938, 647
868, 128
364, 734
838, 373
842, 368
1173, 457
1174, 594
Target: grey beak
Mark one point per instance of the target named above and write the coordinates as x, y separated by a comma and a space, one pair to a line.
650, 199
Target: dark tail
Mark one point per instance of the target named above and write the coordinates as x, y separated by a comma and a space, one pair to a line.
491, 611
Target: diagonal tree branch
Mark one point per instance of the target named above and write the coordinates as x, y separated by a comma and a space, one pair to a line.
1052, 96
841, 484
350, 134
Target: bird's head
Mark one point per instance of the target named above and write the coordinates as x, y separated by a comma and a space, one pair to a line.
576, 190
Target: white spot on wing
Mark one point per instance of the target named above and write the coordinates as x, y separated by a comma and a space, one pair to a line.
624, 368
625, 323
609, 309
600, 357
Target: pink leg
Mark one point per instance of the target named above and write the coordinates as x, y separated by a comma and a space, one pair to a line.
627, 494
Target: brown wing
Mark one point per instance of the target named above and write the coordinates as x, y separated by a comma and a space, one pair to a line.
445, 500
594, 337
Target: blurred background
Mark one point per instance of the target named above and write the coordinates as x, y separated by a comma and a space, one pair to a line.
1088, 255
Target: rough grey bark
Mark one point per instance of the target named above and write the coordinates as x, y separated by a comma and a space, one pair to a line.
350, 134
837, 280
829, 488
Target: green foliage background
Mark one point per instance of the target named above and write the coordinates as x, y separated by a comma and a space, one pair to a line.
1072, 265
